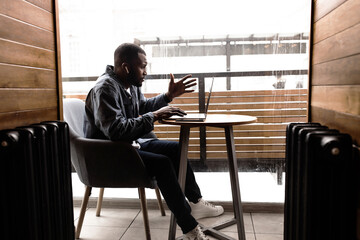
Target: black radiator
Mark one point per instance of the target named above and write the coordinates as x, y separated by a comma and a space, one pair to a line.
321, 184
36, 195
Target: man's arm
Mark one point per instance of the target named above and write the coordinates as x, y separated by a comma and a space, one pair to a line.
175, 89
110, 118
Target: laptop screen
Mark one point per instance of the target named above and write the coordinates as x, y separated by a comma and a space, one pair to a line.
208, 100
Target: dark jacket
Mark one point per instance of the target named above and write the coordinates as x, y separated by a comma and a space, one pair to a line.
112, 113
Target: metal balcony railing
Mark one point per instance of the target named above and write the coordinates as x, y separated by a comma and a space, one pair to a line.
258, 146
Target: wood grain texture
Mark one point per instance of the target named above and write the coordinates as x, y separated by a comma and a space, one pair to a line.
343, 99
44, 4
19, 54
17, 31
346, 123
324, 7
343, 17
344, 71
28, 63
14, 76
27, 99
27, 12
22, 118
341, 45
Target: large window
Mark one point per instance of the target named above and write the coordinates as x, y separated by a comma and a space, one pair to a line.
256, 50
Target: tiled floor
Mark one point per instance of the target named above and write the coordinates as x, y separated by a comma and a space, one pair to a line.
126, 224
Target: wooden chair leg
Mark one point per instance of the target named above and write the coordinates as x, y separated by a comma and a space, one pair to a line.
82, 211
142, 197
99, 202
160, 203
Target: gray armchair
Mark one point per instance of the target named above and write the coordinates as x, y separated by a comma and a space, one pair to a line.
105, 164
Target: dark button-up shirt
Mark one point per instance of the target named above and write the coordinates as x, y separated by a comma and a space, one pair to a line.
112, 113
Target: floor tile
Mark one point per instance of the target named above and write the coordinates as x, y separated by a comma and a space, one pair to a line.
261, 236
268, 223
101, 233
121, 218
226, 216
249, 236
156, 221
127, 224
76, 213
156, 234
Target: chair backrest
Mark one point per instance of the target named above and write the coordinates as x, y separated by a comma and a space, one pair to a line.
74, 113
99, 162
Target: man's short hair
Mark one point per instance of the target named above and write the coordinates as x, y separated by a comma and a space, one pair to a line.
127, 52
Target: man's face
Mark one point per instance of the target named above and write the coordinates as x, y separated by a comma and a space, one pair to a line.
137, 71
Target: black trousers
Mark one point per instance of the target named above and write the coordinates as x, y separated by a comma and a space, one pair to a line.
161, 159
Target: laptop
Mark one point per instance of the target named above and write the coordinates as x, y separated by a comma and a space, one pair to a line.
196, 117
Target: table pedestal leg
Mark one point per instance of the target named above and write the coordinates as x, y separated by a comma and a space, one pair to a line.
234, 178
184, 145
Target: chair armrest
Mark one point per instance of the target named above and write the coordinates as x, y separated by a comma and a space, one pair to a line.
105, 163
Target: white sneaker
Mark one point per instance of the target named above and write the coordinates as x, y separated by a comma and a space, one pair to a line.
196, 234
204, 209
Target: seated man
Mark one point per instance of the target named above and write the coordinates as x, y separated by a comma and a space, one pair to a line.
117, 110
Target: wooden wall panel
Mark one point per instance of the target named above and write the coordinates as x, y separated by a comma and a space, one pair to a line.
323, 7
344, 99
18, 31
340, 71
20, 54
28, 12
345, 16
343, 44
335, 68
44, 4
335, 61
33, 99
347, 123
23, 118
14, 76
29, 65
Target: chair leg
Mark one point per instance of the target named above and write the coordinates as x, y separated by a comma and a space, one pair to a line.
142, 197
99, 202
82, 211
161, 206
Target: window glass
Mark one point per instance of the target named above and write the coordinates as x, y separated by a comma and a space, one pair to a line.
257, 51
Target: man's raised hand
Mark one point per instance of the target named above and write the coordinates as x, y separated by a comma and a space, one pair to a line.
180, 87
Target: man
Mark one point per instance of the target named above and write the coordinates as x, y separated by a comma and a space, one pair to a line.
117, 110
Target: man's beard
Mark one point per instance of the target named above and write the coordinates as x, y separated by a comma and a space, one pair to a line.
132, 80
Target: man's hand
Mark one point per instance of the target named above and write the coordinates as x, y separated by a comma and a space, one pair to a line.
180, 87
168, 111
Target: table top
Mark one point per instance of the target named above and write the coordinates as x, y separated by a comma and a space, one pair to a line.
215, 120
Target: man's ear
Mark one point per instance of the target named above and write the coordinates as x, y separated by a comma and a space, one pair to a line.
125, 67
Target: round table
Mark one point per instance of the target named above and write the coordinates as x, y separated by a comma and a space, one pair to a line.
226, 121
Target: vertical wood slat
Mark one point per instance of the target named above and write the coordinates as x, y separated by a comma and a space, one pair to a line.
58, 62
